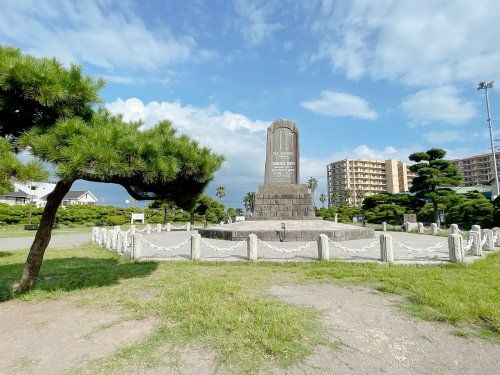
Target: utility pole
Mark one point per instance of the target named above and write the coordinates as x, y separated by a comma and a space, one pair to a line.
485, 86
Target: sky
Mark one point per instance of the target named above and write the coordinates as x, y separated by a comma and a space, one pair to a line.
362, 78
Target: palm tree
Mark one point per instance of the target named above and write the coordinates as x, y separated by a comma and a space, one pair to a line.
312, 184
220, 192
248, 201
322, 199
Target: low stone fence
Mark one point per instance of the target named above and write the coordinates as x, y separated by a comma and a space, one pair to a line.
130, 244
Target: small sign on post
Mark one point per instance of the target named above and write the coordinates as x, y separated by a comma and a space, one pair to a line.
137, 217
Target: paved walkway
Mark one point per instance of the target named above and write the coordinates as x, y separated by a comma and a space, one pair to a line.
220, 250
57, 241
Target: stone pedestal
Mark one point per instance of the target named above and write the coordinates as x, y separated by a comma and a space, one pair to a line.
283, 202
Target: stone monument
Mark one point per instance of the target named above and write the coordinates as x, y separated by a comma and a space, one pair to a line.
283, 208
281, 197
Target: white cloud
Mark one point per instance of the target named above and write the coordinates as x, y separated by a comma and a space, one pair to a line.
336, 104
445, 136
101, 33
440, 104
419, 42
241, 140
255, 25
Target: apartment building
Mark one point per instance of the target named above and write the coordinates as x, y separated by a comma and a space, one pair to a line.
352, 180
477, 170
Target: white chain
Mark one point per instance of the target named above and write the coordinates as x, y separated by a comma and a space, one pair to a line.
419, 250
160, 248
363, 249
281, 250
223, 249
141, 230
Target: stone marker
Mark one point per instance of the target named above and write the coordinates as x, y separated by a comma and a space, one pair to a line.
323, 247
386, 251
434, 229
456, 248
454, 229
195, 246
252, 247
488, 245
420, 228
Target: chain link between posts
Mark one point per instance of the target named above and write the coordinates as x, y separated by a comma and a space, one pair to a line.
161, 248
353, 250
282, 250
429, 249
223, 249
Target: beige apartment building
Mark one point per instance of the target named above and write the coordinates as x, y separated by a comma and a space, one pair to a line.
477, 169
353, 180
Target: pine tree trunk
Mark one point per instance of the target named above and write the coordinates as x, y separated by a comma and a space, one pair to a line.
436, 216
192, 218
42, 237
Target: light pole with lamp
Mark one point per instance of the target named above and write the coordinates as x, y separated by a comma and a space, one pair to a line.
485, 86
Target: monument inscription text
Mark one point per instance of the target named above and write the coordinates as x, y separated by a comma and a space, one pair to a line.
282, 154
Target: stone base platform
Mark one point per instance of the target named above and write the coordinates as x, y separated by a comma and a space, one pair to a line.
295, 230
283, 202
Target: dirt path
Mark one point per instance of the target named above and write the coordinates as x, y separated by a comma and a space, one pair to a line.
59, 241
371, 335
367, 331
55, 336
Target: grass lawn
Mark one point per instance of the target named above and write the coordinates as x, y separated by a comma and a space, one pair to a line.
17, 230
223, 306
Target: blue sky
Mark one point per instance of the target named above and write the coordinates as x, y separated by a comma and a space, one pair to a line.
371, 79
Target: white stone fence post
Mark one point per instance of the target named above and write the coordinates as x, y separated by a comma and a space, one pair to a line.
420, 228
476, 243
456, 248
158, 228
323, 247
496, 231
195, 246
386, 249
434, 229
407, 227
148, 229
252, 247
188, 227
136, 246
488, 245
454, 229
384, 226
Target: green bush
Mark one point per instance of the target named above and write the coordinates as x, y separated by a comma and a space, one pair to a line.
116, 220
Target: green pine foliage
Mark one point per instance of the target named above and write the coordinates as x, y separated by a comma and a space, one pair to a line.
11, 167
39, 91
148, 163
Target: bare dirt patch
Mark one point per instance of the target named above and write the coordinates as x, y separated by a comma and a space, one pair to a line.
54, 336
369, 334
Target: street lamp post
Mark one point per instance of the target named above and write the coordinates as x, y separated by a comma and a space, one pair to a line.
485, 86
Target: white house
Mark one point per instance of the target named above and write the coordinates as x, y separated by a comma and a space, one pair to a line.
75, 198
15, 197
35, 190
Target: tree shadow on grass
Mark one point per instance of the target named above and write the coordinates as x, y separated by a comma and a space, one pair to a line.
4, 254
66, 274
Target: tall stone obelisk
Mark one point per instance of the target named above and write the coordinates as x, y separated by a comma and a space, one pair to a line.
281, 197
